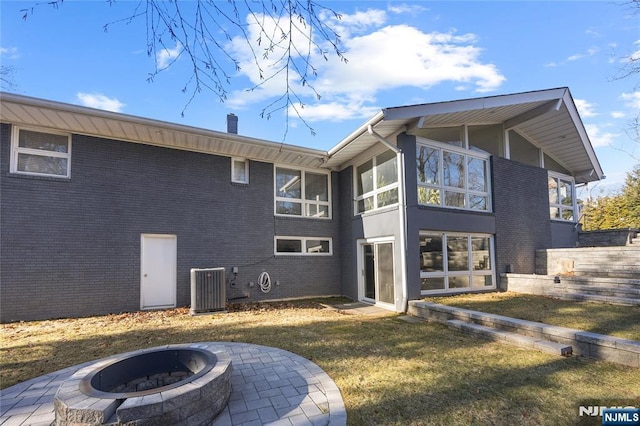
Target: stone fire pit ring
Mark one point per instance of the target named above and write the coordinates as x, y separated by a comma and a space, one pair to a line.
162, 385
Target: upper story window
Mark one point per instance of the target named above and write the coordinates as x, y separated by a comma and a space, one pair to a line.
40, 153
377, 182
453, 177
302, 193
561, 197
239, 170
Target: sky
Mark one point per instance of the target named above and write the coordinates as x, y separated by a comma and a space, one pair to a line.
397, 53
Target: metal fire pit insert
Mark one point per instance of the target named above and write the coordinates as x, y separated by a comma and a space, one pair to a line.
164, 385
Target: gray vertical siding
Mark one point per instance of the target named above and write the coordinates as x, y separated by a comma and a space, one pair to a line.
72, 247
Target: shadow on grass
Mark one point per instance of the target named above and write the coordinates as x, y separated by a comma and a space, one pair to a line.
389, 371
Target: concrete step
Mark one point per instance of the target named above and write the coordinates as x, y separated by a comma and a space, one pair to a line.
585, 297
513, 338
584, 343
624, 292
606, 290
609, 271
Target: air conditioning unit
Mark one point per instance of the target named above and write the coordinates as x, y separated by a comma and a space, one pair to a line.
208, 290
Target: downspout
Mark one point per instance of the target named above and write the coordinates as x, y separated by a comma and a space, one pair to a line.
402, 212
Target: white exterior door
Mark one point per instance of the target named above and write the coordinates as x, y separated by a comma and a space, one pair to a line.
158, 271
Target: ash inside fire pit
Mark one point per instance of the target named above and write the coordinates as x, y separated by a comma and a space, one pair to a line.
168, 385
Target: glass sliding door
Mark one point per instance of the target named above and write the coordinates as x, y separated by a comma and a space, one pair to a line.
378, 276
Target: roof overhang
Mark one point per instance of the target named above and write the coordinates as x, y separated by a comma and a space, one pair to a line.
27, 111
547, 118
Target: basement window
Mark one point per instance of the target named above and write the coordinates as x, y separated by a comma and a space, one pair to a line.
40, 153
307, 246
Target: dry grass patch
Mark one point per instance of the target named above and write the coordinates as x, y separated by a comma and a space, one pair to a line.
614, 320
390, 372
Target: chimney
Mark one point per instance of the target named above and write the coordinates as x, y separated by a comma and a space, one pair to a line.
232, 123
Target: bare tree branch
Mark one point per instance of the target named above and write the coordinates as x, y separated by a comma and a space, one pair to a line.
7, 81
284, 38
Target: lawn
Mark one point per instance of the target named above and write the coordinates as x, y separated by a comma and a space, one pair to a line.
620, 321
390, 372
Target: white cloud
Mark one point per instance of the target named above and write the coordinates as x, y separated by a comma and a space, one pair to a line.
585, 108
617, 114
166, 56
599, 137
592, 32
403, 56
379, 58
10, 52
335, 111
99, 101
406, 8
590, 52
632, 99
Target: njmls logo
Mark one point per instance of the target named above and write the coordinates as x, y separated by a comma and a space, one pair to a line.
598, 410
612, 416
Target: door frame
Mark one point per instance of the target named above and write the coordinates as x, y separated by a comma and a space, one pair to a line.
361, 270
174, 264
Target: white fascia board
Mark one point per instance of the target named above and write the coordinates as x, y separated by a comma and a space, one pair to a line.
359, 131
161, 125
586, 142
413, 111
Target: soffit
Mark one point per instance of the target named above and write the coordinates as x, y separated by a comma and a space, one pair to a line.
87, 121
547, 118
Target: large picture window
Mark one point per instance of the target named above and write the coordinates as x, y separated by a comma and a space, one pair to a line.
561, 197
41, 153
455, 262
377, 182
302, 193
452, 177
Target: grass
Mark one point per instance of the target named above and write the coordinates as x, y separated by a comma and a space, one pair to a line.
619, 321
390, 372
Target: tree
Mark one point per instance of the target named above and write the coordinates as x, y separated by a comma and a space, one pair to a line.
284, 40
619, 210
631, 196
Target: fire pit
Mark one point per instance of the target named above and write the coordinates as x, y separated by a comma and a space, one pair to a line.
165, 385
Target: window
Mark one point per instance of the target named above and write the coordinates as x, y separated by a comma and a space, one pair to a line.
455, 262
302, 193
451, 177
377, 182
41, 153
561, 197
303, 246
239, 170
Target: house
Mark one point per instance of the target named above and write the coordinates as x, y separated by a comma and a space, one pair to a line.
104, 212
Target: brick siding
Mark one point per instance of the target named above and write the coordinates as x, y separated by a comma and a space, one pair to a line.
72, 247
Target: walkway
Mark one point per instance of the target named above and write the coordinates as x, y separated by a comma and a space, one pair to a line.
270, 386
